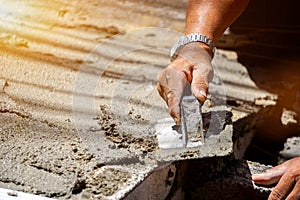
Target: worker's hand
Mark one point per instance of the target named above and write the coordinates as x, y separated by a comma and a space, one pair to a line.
193, 66
287, 175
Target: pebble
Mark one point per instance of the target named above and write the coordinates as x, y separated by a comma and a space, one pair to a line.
12, 193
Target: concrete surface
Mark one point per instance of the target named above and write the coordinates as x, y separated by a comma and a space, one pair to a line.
79, 105
6, 194
291, 149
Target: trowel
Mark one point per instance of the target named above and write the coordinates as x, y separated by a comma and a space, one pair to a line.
190, 132
191, 126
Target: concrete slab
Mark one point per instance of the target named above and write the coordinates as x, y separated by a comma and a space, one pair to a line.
79, 110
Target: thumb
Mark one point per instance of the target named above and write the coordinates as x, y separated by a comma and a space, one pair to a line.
199, 86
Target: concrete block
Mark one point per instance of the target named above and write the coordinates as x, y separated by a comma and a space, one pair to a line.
208, 178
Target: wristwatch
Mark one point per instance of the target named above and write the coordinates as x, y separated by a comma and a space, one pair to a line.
194, 37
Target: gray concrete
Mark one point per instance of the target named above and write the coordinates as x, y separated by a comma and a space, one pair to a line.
6, 194
79, 110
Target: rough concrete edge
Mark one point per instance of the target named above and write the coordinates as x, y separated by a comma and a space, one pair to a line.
161, 186
244, 130
256, 168
138, 175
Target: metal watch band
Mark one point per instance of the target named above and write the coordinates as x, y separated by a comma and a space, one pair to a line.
194, 37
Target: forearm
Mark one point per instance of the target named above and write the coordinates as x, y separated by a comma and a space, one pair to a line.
212, 17
193, 65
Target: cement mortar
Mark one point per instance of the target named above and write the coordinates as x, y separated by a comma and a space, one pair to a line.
43, 149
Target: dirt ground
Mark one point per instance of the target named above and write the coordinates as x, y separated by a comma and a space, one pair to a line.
78, 93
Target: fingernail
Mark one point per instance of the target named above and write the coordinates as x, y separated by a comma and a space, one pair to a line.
200, 94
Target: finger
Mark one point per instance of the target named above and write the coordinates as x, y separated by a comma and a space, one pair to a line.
172, 102
174, 96
161, 92
182, 65
295, 194
199, 86
170, 87
271, 176
283, 188
174, 108
162, 85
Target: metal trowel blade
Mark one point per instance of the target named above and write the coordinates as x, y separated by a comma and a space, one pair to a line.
191, 125
190, 131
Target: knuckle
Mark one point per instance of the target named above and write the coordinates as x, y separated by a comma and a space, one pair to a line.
200, 84
276, 195
294, 172
161, 77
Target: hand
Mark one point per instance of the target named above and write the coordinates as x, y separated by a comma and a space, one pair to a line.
193, 66
287, 175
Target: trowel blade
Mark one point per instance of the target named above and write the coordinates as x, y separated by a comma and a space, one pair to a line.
190, 132
191, 125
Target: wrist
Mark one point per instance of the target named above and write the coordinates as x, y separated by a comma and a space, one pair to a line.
195, 52
202, 46
200, 39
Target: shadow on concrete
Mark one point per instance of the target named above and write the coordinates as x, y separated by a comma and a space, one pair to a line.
208, 178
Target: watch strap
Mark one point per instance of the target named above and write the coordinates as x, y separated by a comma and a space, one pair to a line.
194, 37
